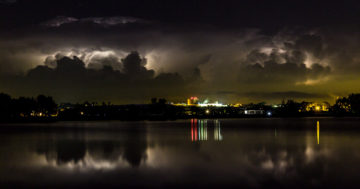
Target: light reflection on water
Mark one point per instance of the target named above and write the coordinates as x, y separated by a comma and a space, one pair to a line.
247, 152
318, 132
199, 130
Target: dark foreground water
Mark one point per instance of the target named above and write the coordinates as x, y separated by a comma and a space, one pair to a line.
281, 153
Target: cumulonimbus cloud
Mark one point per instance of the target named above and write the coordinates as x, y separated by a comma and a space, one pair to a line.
70, 80
245, 61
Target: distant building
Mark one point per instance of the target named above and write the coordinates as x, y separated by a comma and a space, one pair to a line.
192, 100
254, 112
318, 107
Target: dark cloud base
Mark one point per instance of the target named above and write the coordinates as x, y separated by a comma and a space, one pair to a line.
70, 80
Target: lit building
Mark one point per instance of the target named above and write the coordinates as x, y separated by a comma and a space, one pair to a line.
192, 100
236, 105
215, 104
254, 112
318, 107
179, 104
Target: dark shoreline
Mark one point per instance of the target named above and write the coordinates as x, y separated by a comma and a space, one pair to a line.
52, 120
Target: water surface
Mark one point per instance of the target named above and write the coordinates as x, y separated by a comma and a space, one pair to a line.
306, 152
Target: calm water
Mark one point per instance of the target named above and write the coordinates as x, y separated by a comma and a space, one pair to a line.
308, 152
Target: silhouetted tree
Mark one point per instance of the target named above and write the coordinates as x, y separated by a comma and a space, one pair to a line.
354, 101
153, 100
46, 105
24, 106
290, 108
303, 106
5, 105
341, 106
162, 101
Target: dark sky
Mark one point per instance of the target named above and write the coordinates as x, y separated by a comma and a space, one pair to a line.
231, 51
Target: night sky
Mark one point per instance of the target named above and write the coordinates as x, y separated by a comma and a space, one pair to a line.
129, 51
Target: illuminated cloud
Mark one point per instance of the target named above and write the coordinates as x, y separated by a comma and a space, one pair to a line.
111, 21
221, 52
60, 20
103, 21
93, 58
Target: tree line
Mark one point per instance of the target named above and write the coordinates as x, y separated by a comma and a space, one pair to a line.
44, 107
25, 107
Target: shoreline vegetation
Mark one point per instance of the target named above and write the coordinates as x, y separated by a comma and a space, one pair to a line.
44, 109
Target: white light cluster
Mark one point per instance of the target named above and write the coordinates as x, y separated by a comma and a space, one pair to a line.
212, 104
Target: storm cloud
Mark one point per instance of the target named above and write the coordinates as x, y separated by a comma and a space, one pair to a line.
198, 53
71, 80
104, 21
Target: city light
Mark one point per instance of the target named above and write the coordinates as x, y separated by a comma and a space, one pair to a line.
216, 104
318, 132
318, 107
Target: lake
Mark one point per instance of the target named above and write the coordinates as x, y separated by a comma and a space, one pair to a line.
258, 152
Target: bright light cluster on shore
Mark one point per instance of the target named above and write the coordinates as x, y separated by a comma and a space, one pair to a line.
216, 104
194, 101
